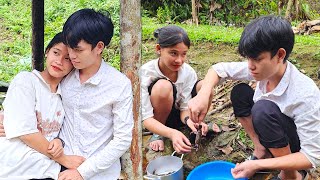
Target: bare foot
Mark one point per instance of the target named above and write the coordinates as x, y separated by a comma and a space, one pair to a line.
157, 145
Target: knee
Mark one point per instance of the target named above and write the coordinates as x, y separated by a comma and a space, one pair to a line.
242, 100
263, 111
241, 91
162, 89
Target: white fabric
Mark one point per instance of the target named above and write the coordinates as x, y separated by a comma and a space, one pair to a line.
29, 107
297, 96
98, 122
150, 72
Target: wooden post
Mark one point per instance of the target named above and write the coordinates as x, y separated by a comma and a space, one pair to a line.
130, 48
37, 34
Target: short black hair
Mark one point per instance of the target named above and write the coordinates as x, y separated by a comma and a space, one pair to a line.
58, 38
88, 25
266, 34
171, 35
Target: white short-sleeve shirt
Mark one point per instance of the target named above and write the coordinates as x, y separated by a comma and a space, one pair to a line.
150, 72
29, 107
296, 95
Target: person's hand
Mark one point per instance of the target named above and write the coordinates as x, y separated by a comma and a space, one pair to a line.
70, 161
245, 169
204, 128
195, 126
192, 125
180, 142
2, 132
198, 108
55, 148
70, 174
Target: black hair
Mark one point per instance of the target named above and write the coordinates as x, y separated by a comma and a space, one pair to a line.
266, 34
58, 38
88, 25
171, 35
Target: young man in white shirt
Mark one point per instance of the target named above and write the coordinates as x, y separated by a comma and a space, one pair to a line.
97, 99
282, 115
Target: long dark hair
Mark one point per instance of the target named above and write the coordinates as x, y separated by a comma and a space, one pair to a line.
171, 35
58, 38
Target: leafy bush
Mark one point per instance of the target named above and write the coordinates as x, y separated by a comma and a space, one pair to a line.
232, 12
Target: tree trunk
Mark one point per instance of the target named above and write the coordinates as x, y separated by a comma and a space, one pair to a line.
130, 52
288, 11
37, 34
297, 8
194, 13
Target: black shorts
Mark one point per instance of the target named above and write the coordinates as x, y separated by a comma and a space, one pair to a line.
275, 129
173, 120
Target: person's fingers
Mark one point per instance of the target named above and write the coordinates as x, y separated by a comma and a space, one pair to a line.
186, 141
233, 173
177, 148
191, 125
204, 129
201, 116
57, 153
51, 144
61, 175
193, 116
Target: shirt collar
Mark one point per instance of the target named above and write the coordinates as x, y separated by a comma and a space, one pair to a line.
283, 84
96, 78
37, 73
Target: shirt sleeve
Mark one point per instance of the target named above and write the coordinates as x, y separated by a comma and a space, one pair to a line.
188, 85
232, 70
122, 136
308, 123
146, 106
19, 107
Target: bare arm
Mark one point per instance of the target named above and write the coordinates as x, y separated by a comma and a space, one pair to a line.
295, 161
198, 105
39, 143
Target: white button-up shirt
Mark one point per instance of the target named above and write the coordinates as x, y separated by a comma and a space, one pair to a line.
99, 121
150, 72
297, 96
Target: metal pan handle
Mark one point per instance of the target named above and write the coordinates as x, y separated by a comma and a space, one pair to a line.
153, 177
177, 153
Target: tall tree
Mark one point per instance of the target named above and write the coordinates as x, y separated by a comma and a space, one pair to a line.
195, 19
130, 52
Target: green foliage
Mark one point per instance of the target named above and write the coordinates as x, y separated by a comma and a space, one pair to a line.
216, 34
232, 12
169, 11
244, 138
16, 33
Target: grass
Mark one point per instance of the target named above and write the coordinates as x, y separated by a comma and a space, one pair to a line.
16, 37
16, 32
216, 34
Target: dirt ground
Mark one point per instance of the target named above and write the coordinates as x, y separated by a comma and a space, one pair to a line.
232, 144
